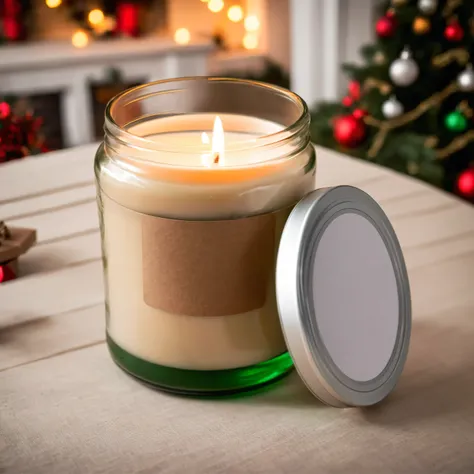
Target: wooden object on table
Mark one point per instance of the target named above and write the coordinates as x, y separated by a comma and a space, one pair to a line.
14, 241
65, 407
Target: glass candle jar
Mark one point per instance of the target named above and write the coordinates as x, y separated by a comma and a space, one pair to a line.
195, 180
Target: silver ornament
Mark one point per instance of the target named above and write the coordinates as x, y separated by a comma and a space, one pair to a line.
428, 7
466, 79
392, 108
404, 70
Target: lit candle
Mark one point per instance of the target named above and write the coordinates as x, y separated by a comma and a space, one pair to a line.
191, 217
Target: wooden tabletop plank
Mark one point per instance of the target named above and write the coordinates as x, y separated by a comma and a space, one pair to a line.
31, 339
60, 291
47, 202
446, 223
440, 250
62, 223
47, 173
60, 254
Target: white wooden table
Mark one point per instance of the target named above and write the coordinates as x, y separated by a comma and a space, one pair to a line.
66, 408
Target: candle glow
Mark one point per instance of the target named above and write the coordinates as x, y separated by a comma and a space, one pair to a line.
217, 146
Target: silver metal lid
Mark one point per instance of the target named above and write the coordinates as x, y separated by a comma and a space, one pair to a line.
343, 297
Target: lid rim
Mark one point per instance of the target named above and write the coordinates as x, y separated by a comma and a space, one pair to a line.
305, 226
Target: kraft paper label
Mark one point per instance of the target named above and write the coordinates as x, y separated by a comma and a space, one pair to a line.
207, 268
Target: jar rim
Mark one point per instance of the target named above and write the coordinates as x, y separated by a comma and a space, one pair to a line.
144, 143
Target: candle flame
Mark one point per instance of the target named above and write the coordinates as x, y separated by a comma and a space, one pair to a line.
217, 148
205, 138
218, 141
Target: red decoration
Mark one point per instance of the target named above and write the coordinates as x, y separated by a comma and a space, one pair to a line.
4, 110
6, 273
12, 20
128, 19
465, 183
386, 26
347, 101
454, 32
354, 90
349, 131
19, 134
359, 113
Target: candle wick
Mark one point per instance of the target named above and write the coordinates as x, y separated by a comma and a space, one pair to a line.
216, 158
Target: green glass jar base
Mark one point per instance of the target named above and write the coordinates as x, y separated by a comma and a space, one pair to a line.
201, 382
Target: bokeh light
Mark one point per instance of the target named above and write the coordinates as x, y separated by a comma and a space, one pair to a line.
182, 36
251, 23
95, 17
215, 5
80, 39
53, 3
235, 13
250, 41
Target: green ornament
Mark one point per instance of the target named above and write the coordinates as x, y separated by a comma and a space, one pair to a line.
455, 121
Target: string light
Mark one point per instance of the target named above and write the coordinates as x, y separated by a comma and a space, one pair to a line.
95, 17
251, 23
235, 13
80, 39
53, 3
182, 36
215, 5
250, 41
109, 23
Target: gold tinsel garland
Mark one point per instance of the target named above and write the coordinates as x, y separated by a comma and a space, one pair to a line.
372, 83
450, 6
388, 125
460, 55
457, 144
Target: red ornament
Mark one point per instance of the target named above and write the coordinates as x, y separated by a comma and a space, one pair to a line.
6, 273
465, 183
347, 101
349, 131
359, 113
454, 32
354, 90
4, 110
385, 27
127, 19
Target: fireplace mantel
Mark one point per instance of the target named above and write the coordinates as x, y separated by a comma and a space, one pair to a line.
62, 54
45, 67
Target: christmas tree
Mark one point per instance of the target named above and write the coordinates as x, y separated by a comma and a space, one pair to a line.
410, 106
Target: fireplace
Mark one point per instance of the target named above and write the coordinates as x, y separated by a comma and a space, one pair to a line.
69, 84
101, 92
48, 107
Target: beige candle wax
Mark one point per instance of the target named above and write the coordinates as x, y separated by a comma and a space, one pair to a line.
209, 192
196, 178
